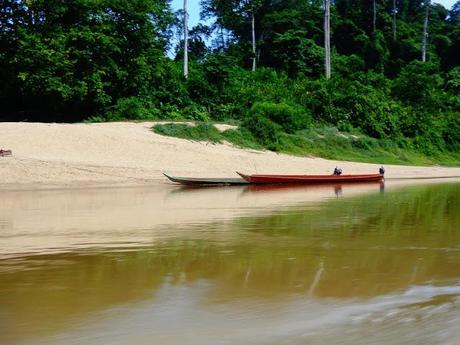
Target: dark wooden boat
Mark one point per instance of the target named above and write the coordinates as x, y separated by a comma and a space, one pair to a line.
194, 181
310, 179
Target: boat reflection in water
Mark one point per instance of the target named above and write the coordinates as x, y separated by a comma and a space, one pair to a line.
336, 187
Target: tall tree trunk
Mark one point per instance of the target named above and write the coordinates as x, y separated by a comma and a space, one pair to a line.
327, 38
185, 40
222, 38
394, 20
425, 30
374, 15
261, 39
254, 57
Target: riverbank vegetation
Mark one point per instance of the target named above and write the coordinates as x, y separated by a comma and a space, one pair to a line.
326, 142
395, 80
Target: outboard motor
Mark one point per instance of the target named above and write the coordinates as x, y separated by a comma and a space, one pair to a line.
382, 170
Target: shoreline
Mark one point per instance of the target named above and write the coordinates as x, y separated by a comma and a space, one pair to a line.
122, 154
163, 183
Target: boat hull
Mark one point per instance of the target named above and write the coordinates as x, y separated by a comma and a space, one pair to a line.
193, 181
310, 179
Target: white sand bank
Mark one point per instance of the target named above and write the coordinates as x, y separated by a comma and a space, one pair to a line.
131, 154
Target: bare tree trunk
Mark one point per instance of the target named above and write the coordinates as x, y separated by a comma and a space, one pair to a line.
185, 40
254, 57
32, 17
327, 38
374, 15
261, 39
394, 20
222, 38
425, 30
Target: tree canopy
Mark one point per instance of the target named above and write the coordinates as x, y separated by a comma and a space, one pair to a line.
108, 60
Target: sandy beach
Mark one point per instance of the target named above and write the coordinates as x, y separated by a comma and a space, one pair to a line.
131, 154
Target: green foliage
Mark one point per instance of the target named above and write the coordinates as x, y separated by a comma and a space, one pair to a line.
362, 103
198, 132
195, 112
264, 131
453, 80
81, 57
290, 117
133, 108
417, 83
107, 60
241, 137
451, 131
244, 89
327, 142
293, 51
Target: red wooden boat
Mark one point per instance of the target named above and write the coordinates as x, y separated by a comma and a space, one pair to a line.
311, 179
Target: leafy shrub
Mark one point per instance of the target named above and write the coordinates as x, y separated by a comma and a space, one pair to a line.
296, 54
451, 131
170, 112
264, 131
245, 88
196, 112
365, 142
290, 117
347, 66
417, 82
226, 111
133, 108
377, 115
453, 79
199, 132
95, 119
241, 137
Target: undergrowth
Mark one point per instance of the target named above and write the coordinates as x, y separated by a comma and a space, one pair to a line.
326, 142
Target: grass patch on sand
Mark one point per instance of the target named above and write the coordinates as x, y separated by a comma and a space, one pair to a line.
326, 142
204, 131
197, 132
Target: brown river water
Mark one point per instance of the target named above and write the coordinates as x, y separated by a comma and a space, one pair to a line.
364, 264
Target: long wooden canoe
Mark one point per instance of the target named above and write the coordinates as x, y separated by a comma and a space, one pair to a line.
201, 181
310, 179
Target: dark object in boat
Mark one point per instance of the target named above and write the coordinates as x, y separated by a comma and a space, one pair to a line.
337, 171
382, 170
202, 181
312, 179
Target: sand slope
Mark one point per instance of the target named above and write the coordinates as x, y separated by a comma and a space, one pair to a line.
130, 153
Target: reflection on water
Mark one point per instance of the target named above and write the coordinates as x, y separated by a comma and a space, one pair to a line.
63, 220
376, 268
